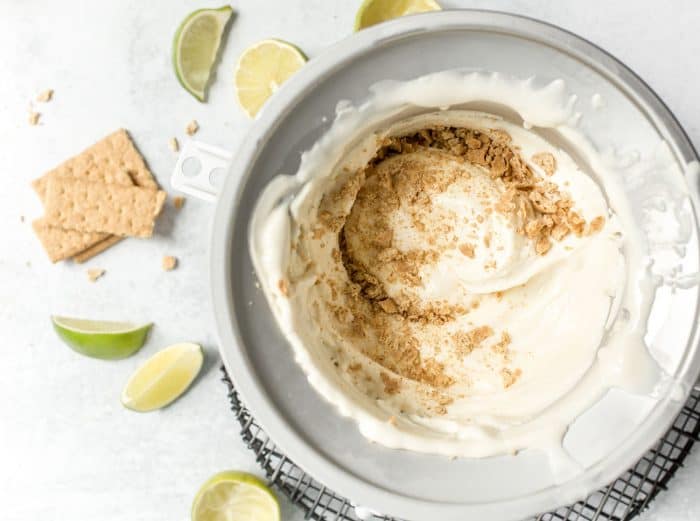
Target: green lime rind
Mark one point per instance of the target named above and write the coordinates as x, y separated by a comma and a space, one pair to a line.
125, 340
295, 47
199, 94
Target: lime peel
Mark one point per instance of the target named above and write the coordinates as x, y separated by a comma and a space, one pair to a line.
196, 45
104, 339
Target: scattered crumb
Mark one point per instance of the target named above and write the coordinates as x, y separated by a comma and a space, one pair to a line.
597, 224
467, 250
282, 285
546, 162
169, 263
192, 128
34, 118
391, 385
510, 376
94, 274
178, 202
173, 144
388, 306
45, 96
543, 245
466, 342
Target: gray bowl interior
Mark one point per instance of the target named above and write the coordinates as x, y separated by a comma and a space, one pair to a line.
302, 422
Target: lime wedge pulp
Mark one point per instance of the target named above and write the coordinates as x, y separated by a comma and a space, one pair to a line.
99, 338
163, 377
372, 12
196, 45
262, 69
235, 495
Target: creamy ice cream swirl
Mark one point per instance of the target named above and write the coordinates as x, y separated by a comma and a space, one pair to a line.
434, 279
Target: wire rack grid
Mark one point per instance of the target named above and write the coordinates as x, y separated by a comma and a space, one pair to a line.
622, 500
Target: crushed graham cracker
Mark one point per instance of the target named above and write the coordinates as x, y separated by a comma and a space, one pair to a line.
391, 385
178, 202
597, 224
45, 96
173, 144
510, 376
34, 118
192, 128
169, 263
95, 273
467, 250
527, 196
546, 161
466, 342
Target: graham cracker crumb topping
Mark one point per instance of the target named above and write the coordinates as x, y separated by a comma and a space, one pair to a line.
546, 161
389, 326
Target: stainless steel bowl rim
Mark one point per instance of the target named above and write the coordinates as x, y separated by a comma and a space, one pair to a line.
236, 360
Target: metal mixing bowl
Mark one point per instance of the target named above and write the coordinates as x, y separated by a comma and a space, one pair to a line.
329, 447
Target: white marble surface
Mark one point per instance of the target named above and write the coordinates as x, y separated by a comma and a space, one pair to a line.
68, 450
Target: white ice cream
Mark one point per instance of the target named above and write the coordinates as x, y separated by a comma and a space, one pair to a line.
562, 327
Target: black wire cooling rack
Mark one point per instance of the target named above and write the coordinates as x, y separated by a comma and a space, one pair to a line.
622, 500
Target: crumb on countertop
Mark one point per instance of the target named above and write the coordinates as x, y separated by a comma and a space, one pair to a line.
34, 118
173, 144
95, 273
45, 96
169, 262
178, 202
192, 128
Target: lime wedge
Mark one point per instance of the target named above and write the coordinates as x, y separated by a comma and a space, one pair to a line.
196, 45
261, 69
100, 338
235, 495
163, 377
372, 12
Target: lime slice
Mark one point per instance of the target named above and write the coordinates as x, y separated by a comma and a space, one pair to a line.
372, 12
261, 69
237, 496
163, 378
196, 45
100, 338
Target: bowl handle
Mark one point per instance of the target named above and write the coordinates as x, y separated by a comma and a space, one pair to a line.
200, 170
